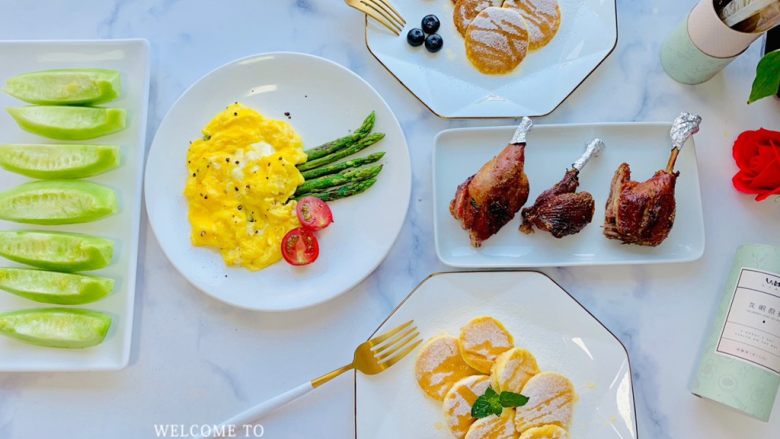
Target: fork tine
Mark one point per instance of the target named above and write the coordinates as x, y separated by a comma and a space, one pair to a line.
375, 12
387, 7
386, 354
393, 340
399, 356
380, 338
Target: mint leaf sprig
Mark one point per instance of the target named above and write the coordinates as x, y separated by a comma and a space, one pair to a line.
493, 403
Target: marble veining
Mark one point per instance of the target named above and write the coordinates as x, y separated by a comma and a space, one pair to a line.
196, 360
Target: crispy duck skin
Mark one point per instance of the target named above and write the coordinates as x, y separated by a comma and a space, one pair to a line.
489, 199
560, 210
640, 213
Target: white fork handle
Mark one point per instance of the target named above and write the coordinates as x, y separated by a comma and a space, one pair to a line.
268, 406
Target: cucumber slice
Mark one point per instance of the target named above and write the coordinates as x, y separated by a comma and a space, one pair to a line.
61, 251
59, 161
57, 202
53, 287
56, 327
65, 86
69, 123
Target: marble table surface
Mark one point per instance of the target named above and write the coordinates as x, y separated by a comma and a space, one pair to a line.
195, 360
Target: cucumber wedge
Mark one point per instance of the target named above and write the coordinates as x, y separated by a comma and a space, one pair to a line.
56, 327
65, 86
57, 202
53, 287
59, 161
61, 251
69, 123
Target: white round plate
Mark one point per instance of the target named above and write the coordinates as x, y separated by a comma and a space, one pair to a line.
451, 87
324, 101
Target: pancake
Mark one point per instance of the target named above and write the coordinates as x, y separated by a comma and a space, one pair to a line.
513, 369
494, 427
497, 40
458, 401
551, 400
483, 339
440, 365
543, 18
545, 432
466, 10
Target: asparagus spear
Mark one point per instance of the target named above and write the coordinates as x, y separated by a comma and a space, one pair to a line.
348, 176
362, 144
344, 191
341, 166
335, 145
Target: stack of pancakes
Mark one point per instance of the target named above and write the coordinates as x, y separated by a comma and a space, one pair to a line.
456, 371
499, 33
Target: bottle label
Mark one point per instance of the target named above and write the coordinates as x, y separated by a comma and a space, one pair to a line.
752, 328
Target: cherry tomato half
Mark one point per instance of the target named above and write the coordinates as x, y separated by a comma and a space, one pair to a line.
300, 246
313, 213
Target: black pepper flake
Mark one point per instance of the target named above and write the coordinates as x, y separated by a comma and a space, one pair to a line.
193, 174
237, 162
280, 159
205, 197
266, 177
287, 113
236, 188
226, 275
202, 233
247, 186
235, 113
240, 207
227, 159
269, 163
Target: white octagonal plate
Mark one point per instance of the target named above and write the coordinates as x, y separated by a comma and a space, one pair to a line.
562, 335
451, 87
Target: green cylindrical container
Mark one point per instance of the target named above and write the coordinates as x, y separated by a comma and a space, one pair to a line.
740, 362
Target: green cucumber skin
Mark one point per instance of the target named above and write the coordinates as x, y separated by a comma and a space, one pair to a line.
108, 158
13, 206
105, 86
97, 252
94, 326
54, 287
114, 119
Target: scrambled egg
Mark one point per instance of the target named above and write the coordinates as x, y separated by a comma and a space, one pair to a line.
241, 176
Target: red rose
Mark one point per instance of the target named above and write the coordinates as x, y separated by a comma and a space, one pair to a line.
757, 154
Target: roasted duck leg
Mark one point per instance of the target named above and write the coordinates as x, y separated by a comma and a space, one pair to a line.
643, 213
489, 199
561, 210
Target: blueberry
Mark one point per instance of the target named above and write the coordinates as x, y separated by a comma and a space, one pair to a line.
430, 24
434, 42
415, 37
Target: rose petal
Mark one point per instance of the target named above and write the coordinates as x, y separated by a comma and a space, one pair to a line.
764, 195
741, 182
768, 177
744, 148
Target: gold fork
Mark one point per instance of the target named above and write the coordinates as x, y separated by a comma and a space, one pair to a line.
381, 11
371, 357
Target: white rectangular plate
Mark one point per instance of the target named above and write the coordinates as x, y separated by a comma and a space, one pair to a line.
551, 149
131, 58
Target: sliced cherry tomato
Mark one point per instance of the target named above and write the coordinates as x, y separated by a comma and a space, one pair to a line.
300, 246
313, 213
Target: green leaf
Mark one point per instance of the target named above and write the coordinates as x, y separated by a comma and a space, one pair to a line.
510, 399
487, 404
767, 80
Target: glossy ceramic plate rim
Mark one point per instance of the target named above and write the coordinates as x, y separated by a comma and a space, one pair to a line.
177, 264
488, 264
480, 272
445, 116
137, 203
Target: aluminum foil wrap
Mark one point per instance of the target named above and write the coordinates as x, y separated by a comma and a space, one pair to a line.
683, 127
522, 129
592, 150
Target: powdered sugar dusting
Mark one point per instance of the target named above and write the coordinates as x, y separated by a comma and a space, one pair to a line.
439, 365
543, 18
493, 427
550, 401
458, 401
497, 40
